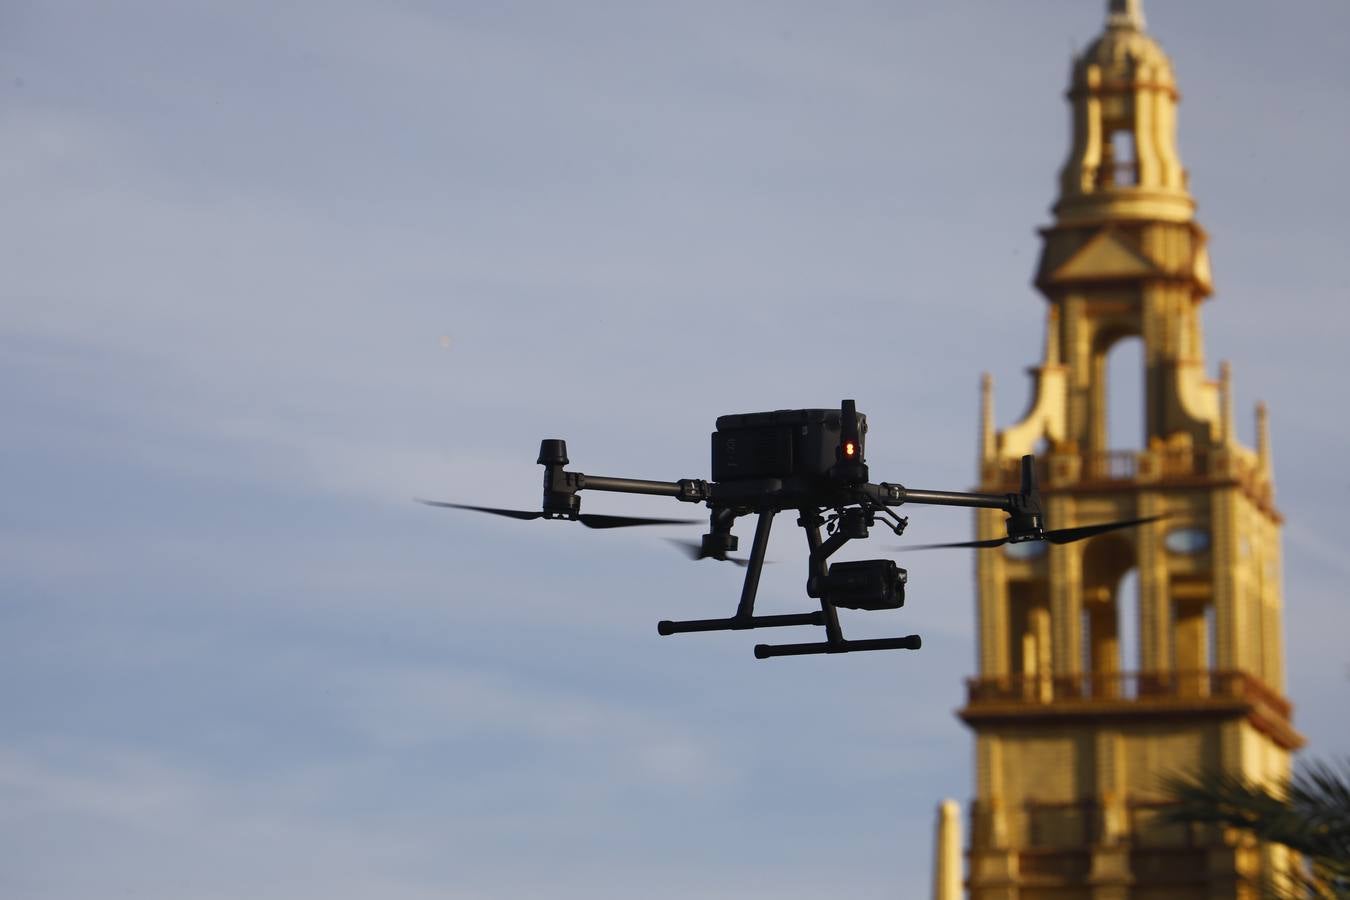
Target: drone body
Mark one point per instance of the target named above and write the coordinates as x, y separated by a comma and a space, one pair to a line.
808, 461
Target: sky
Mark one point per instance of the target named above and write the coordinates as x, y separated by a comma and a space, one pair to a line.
271, 270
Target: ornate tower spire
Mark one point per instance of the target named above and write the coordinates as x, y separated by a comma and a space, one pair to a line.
1106, 662
1263, 438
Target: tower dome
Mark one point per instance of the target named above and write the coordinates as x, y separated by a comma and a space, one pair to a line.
1124, 51
1123, 163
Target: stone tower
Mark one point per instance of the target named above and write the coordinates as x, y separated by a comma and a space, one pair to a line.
1073, 738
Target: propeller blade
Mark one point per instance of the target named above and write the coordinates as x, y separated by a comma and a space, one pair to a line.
511, 513
694, 551
1067, 535
992, 542
1057, 536
592, 520
691, 549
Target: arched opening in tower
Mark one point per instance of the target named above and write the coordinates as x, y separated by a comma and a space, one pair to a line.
1124, 164
1109, 615
1127, 608
1124, 374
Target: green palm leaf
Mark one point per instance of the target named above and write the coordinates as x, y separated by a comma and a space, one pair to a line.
1309, 814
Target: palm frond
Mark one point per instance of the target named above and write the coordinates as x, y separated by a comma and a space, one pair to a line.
1310, 814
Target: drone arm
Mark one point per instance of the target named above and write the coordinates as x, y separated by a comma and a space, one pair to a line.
687, 489
1025, 519
945, 498
886, 494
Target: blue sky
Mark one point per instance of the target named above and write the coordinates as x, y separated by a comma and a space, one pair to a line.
271, 270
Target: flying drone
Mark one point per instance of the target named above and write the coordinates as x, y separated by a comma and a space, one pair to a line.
810, 461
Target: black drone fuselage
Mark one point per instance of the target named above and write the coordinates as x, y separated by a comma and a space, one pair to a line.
810, 461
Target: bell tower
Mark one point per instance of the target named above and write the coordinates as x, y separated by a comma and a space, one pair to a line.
1089, 693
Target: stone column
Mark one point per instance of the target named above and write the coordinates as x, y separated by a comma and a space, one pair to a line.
947, 852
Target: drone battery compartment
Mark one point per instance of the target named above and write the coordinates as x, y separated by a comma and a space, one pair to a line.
779, 444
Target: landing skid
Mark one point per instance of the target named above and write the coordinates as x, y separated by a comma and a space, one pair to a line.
908, 642
852, 524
